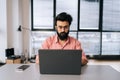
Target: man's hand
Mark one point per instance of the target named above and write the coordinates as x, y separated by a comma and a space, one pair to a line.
37, 59
84, 60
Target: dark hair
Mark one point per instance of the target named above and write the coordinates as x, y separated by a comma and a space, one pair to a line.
63, 17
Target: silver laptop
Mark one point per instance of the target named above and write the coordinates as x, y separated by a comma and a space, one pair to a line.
60, 61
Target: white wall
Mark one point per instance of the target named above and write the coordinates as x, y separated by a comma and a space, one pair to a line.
12, 14
26, 25
3, 30
14, 37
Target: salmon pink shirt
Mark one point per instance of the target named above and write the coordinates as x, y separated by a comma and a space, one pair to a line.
71, 43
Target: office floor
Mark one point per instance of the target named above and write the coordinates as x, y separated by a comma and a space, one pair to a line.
114, 63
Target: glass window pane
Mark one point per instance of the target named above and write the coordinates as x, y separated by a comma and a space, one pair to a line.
89, 14
38, 38
43, 14
111, 43
90, 42
73, 34
111, 15
69, 6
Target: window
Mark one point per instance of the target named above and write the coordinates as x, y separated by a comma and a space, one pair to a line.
95, 23
111, 15
111, 43
42, 14
89, 14
90, 42
69, 6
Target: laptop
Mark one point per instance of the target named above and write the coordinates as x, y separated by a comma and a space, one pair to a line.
60, 61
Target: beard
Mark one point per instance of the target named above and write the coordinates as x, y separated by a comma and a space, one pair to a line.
63, 35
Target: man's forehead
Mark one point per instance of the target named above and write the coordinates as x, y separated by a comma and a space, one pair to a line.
62, 23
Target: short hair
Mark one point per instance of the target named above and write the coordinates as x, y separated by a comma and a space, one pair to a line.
63, 17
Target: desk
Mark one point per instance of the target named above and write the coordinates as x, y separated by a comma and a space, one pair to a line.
89, 72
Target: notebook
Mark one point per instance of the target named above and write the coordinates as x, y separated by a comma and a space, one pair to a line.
60, 61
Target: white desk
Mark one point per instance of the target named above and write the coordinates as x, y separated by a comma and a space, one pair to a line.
89, 72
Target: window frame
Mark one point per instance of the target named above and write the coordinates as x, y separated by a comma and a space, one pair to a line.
100, 23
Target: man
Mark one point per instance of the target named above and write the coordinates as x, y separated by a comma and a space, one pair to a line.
62, 40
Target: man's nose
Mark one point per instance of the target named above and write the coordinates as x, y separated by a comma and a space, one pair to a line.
63, 29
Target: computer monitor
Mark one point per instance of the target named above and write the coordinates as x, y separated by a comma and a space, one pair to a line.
9, 52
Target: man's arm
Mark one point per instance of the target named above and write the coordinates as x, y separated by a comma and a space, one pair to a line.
37, 59
45, 45
84, 59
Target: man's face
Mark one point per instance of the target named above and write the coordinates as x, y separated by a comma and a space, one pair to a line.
62, 28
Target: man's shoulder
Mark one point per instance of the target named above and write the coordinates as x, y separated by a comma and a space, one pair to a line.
72, 38
50, 38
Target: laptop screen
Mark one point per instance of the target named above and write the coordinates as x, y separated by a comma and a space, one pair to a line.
60, 61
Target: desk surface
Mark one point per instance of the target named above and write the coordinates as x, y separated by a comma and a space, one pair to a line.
91, 72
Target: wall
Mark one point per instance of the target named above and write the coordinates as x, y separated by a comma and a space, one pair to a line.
14, 37
12, 14
3, 30
25, 13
